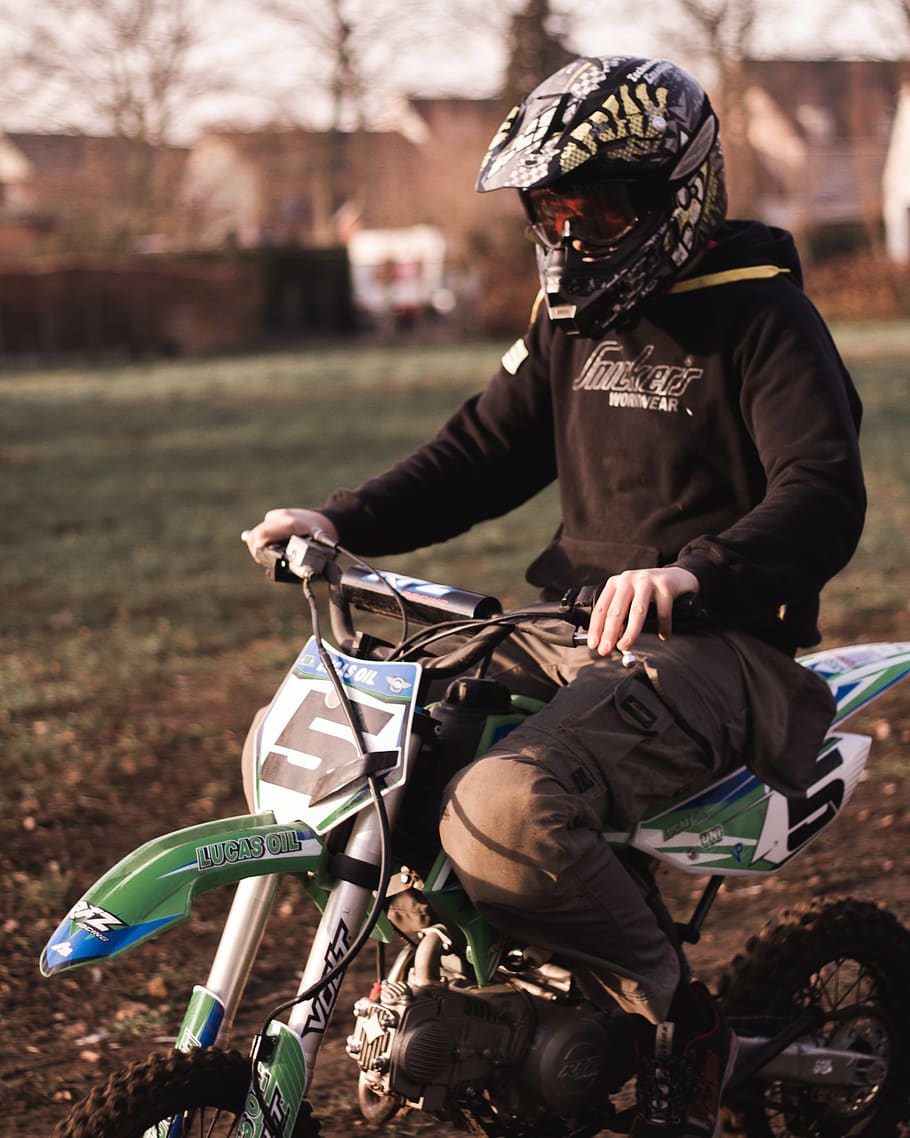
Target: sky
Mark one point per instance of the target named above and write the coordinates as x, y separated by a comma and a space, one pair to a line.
473, 66
794, 28
791, 28
280, 80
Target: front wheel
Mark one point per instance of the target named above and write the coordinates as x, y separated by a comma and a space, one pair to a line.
206, 1089
848, 960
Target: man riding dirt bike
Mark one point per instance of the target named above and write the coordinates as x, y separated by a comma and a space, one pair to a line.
703, 429
493, 1034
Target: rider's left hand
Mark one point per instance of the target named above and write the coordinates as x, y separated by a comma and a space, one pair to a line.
278, 525
620, 611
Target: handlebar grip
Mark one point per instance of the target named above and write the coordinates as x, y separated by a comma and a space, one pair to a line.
274, 559
299, 557
687, 610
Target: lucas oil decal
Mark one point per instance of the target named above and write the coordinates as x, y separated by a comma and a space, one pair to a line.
252, 847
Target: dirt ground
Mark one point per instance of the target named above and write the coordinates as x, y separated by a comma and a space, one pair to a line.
62, 1036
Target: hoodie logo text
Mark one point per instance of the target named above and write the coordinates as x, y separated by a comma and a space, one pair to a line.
635, 383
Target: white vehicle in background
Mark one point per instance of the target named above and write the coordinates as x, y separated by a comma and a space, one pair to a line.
398, 276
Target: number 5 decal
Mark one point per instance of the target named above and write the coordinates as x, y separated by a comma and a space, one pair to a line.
323, 734
807, 816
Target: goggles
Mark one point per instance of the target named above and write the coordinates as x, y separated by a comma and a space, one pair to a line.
596, 214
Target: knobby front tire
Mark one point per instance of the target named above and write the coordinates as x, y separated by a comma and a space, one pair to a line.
208, 1087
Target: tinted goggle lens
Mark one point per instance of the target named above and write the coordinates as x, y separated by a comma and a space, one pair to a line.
597, 213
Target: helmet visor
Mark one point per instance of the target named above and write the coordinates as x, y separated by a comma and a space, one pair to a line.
595, 214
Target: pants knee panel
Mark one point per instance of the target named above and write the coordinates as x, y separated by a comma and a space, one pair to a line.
503, 825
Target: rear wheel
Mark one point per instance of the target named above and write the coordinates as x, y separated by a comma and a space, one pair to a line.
850, 961
208, 1089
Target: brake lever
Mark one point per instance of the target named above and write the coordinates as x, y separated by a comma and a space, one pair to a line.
580, 640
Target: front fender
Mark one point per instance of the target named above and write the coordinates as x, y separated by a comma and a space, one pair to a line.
153, 888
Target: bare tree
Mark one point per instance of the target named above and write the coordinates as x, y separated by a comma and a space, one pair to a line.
536, 46
330, 32
126, 69
720, 32
129, 68
347, 70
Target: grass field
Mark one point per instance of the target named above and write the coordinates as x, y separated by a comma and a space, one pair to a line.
125, 490
137, 634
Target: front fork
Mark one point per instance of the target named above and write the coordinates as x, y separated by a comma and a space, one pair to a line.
341, 921
287, 1060
209, 1017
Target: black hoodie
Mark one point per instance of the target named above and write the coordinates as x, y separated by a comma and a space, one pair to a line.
718, 431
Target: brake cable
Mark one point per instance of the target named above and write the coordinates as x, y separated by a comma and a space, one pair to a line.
384, 859
380, 576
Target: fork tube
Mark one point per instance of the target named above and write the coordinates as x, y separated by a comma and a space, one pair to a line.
240, 941
341, 921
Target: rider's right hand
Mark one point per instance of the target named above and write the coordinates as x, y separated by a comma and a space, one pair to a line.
278, 525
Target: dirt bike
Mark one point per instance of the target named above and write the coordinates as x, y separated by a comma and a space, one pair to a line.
491, 1035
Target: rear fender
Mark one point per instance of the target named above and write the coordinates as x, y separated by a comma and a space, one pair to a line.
153, 888
859, 673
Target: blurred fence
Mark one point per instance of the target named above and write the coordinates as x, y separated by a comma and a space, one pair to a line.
170, 305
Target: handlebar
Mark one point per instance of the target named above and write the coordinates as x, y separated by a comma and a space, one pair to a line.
376, 591
425, 601
454, 611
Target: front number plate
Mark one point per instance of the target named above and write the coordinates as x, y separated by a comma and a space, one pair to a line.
308, 765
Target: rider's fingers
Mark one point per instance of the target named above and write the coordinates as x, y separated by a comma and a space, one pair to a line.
598, 616
663, 600
255, 540
613, 606
637, 612
276, 526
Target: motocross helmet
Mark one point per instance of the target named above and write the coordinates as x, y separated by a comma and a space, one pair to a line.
620, 171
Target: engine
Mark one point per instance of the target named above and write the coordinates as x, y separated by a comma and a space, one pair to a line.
526, 1055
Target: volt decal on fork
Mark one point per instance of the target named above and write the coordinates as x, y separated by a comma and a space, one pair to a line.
321, 1005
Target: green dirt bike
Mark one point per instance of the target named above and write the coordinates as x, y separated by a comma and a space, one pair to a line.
491, 1035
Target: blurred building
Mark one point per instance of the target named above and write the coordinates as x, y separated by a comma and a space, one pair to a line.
393, 196
81, 193
393, 209
291, 186
819, 133
896, 184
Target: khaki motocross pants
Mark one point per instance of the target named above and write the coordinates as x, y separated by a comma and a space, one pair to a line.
523, 824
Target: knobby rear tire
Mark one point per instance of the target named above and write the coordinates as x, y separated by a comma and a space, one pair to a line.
209, 1086
851, 960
